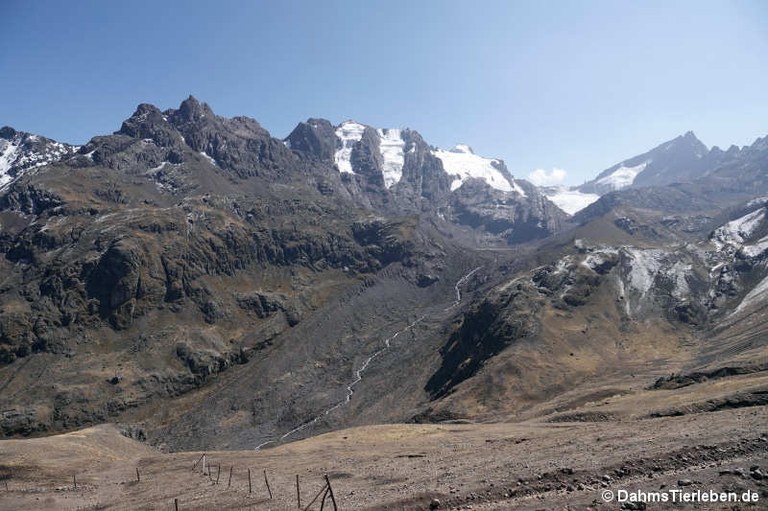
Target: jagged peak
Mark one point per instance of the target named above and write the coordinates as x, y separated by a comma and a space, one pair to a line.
687, 139
8, 133
146, 108
15, 136
144, 112
138, 123
317, 122
191, 109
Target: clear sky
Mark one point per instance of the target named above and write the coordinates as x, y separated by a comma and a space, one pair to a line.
573, 85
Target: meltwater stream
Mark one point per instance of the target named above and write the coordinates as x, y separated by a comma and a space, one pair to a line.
359, 372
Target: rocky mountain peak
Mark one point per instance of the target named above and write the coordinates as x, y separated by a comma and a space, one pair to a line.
314, 139
678, 160
193, 110
8, 133
687, 142
150, 123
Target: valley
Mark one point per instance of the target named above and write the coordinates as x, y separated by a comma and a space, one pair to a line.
416, 323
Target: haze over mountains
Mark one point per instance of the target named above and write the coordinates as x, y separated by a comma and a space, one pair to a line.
354, 275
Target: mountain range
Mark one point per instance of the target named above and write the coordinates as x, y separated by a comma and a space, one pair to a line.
207, 285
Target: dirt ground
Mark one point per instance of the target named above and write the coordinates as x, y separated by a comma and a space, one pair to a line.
529, 466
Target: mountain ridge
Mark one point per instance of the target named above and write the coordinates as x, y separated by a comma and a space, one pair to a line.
193, 262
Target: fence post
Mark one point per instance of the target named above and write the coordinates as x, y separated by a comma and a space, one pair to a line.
250, 488
74, 480
230, 476
268, 488
138, 475
333, 499
298, 491
176, 504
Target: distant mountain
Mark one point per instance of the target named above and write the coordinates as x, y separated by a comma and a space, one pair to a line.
678, 175
675, 161
717, 179
21, 152
395, 170
396, 158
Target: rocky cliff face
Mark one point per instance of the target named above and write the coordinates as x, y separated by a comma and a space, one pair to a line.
508, 215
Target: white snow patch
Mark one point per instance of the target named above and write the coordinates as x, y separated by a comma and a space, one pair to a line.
391, 145
209, 158
757, 200
736, 232
596, 259
159, 167
518, 189
678, 273
645, 266
622, 295
715, 269
563, 265
8, 153
757, 294
757, 248
15, 154
350, 133
622, 177
571, 201
462, 164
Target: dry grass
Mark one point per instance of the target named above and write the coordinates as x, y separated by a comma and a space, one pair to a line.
382, 467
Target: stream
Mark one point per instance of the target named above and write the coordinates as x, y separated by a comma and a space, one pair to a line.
364, 366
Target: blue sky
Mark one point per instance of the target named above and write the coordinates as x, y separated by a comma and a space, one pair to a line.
574, 85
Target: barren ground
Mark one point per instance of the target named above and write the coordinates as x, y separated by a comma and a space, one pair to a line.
529, 465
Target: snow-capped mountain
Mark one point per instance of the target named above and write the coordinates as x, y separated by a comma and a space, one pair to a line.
195, 244
683, 159
678, 160
21, 152
396, 170
383, 154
